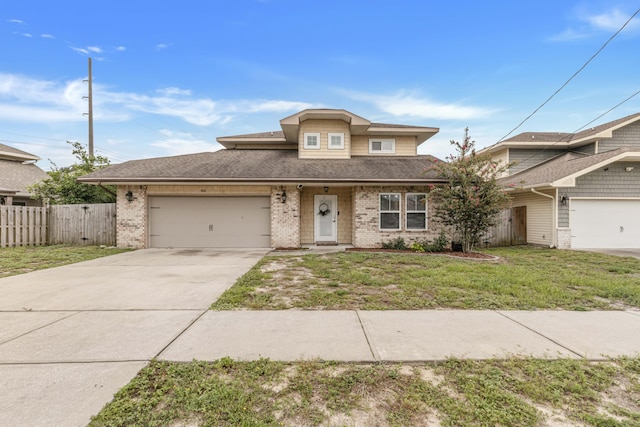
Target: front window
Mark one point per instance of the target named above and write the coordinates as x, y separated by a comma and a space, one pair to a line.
416, 211
312, 141
390, 211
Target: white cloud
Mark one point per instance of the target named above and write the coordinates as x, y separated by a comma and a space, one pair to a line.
47, 36
27, 35
168, 91
276, 106
26, 99
409, 105
161, 46
121, 48
608, 21
17, 21
80, 50
95, 49
591, 23
176, 143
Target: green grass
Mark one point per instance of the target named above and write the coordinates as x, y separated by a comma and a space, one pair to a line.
524, 278
24, 259
512, 392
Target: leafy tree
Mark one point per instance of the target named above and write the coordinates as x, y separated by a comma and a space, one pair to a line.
471, 200
62, 186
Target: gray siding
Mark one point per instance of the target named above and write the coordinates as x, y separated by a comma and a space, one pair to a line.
587, 149
628, 136
526, 158
614, 182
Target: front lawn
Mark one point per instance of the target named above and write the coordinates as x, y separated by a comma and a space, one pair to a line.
524, 278
29, 258
513, 392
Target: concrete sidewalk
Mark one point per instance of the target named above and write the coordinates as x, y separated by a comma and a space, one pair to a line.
407, 336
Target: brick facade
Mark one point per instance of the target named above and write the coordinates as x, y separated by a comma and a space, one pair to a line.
285, 218
292, 221
366, 222
131, 217
564, 238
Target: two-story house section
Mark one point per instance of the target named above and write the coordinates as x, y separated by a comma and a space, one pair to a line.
18, 172
325, 177
577, 190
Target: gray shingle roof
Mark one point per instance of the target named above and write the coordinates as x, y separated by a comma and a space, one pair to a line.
568, 137
268, 166
17, 176
557, 168
18, 153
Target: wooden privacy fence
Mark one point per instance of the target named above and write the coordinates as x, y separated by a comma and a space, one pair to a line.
22, 226
93, 224
510, 229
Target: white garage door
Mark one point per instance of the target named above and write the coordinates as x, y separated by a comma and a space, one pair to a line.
209, 222
602, 223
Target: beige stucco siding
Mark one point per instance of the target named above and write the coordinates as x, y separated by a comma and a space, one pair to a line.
324, 127
405, 146
307, 213
539, 216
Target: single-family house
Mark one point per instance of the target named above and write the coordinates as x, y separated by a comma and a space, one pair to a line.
326, 177
576, 190
17, 172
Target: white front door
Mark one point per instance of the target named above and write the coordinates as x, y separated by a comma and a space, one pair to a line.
326, 218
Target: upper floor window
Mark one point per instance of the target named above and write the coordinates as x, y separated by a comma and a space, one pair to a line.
382, 146
312, 140
416, 211
336, 141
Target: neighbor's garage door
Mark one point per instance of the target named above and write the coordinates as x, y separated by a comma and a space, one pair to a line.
605, 223
209, 222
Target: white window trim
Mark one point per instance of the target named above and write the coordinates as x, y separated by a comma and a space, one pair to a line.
424, 211
335, 147
311, 147
382, 150
399, 212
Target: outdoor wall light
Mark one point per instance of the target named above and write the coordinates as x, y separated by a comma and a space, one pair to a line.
326, 189
129, 196
629, 168
283, 196
564, 200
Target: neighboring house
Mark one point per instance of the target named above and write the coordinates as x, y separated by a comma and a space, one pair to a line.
577, 190
17, 172
328, 177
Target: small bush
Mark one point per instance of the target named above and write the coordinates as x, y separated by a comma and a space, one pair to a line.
398, 244
439, 244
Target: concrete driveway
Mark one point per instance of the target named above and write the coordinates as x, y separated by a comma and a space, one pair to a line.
72, 336
634, 253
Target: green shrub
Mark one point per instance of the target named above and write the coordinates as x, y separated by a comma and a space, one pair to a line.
398, 244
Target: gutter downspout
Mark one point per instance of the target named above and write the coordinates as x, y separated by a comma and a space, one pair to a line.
554, 208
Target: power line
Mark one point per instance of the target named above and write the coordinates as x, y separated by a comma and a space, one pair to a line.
568, 136
571, 78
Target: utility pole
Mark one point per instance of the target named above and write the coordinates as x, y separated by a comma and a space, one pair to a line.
89, 98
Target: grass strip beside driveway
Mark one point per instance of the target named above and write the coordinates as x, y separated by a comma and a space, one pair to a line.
512, 392
524, 278
25, 259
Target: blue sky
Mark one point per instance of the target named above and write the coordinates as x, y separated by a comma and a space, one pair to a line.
169, 77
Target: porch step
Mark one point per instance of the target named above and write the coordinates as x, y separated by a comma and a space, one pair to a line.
326, 243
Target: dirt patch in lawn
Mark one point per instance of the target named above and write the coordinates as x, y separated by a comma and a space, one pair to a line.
521, 279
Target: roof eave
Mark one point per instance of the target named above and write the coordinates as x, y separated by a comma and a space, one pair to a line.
263, 181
